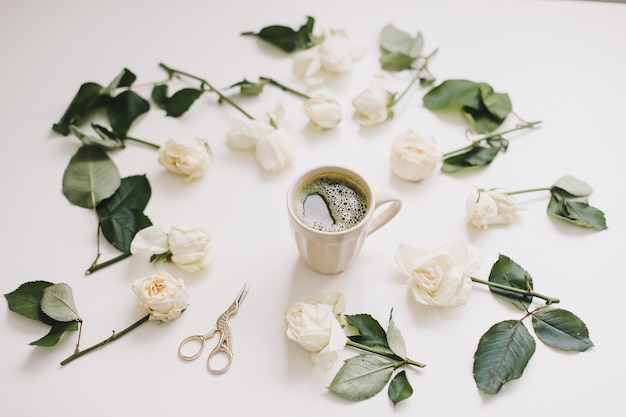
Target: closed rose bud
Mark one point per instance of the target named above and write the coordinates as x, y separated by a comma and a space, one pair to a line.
323, 112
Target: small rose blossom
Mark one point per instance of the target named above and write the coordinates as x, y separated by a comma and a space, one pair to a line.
274, 151
334, 55
489, 207
151, 240
439, 277
314, 325
190, 158
245, 134
373, 105
323, 112
414, 157
190, 248
164, 296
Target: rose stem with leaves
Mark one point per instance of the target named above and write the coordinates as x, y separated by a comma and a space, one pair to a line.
384, 353
283, 87
548, 299
414, 79
477, 142
205, 84
116, 335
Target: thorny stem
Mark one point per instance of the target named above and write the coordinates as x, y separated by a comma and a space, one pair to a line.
114, 336
414, 79
206, 84
477, 142
549, 300
383, 353
284, 87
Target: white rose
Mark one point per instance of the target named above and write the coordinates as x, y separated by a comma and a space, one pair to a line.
373, 105
164, 296
323, 112
190, 248
151, 240
414, 157
440, 277
488, 207
245, 134
274, 151
313, 324
190, 158
335, 54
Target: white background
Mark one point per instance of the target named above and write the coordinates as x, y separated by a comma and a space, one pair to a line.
561, 62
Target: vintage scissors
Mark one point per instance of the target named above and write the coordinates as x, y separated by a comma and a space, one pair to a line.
224, 345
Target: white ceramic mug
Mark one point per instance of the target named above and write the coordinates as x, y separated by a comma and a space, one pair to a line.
330, 237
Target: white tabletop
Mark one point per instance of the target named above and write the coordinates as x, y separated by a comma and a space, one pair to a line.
562, 62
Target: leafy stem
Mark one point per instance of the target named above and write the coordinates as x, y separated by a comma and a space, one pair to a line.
385, 353
113, 337
418, 73
548, 299
95, 266
143, 142
208, 86
497, 136
283, 87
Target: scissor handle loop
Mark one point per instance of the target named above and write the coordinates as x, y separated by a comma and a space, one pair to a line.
199, 338
220, 348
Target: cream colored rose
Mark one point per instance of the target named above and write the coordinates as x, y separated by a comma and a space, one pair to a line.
414, 157
323, 112
274, 151
333, 55
245, 134
151, 240
190, 248
164, 296
373, 105
190, 158
489, 207
314, 325
439, 277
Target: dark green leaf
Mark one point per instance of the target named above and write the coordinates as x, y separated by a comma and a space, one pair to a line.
90, 177
125, 78
181, 101
502, 355
481, 120
452, 95
125, 108
399, 388
561, 329
362, 377
477, 157
106, 139
371, 332
89, 98
26, 298
578, 213
134, 192
285, 38
497, 104
506, 272
120, 227
54, 335
57, 302
159, 95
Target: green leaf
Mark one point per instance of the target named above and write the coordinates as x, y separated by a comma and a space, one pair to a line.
125, 78
452, 95
477, 157
480, 119
26, 298
506, 272
561, 329
248, 88
502, 355
125, 108
395, 340
399, 49
89, 98
90, 177
57, 302
120, 227
571, 186
285, 38
181, 101
576, 212
54, 335
497, 104
362, 377
105, 140
399, 388
134, 192
159, 96
371, 333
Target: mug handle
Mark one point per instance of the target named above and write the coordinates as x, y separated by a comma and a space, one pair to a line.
390, 198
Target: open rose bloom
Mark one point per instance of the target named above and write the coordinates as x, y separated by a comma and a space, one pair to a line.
189, 158
414, 157
314, 325
489, 207
373, 105
323, 112
439, 277
164, 296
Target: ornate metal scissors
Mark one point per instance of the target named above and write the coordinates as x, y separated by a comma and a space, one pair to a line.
224, 345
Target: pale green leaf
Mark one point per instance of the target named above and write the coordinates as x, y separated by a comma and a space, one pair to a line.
362, 377
395, 339
573, 186
502, 355
561, 329
90, 177
57, 302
